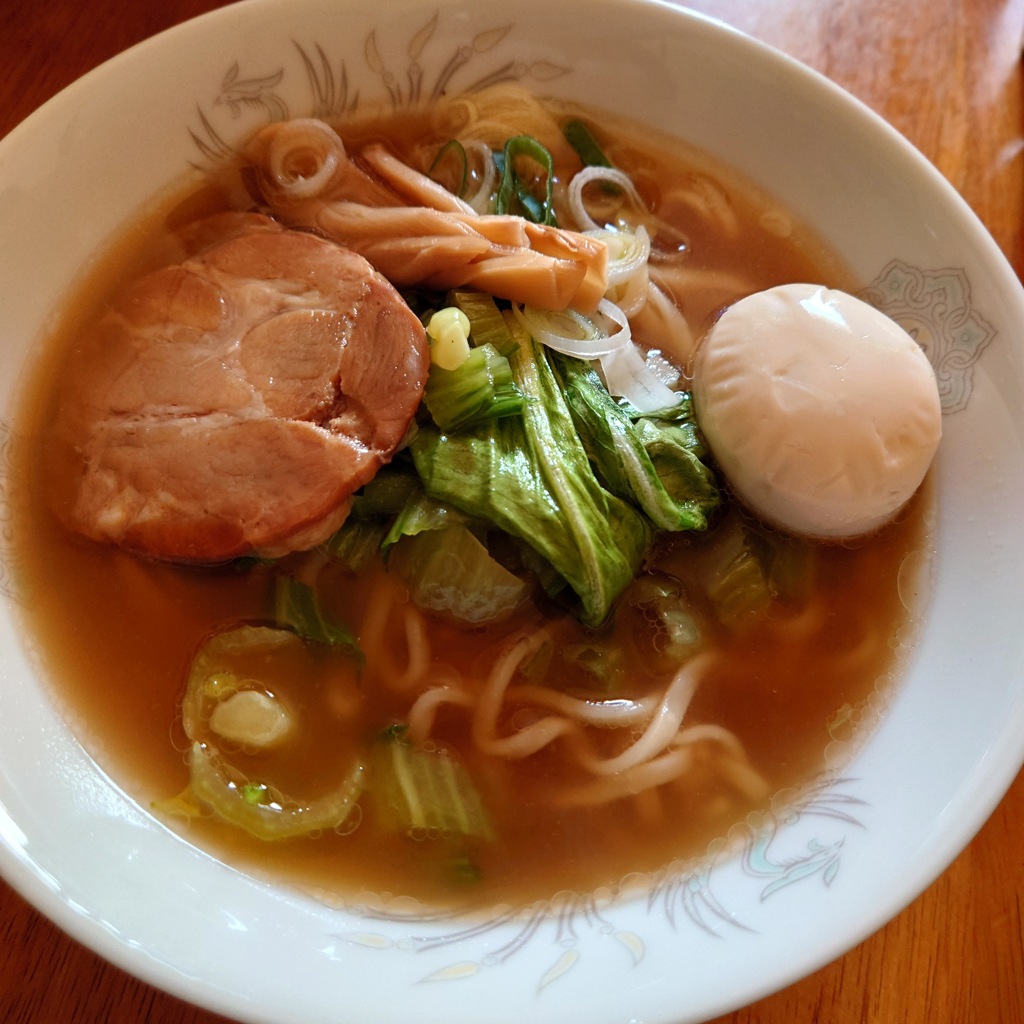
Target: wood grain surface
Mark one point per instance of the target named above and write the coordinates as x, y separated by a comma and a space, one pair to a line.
948, 75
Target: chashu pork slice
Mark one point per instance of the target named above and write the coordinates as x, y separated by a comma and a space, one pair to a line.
232, 403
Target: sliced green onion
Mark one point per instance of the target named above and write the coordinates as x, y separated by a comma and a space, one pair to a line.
578, 135
573, 333
514, 195
628, 251
628, 376
625, 371
221, 671
602, 176
452, 152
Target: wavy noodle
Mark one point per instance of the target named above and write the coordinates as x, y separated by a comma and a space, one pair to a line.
424, 709
743, 777
379, 607
496, 114
661, 729
375, 638
533, 737
681, 280
704, 197
662, 753
641, 778
858, 656
615, 713
417, 644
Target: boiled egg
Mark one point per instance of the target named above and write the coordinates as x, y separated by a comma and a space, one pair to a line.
821, 412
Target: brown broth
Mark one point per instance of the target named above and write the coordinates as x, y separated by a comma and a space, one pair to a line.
118, 633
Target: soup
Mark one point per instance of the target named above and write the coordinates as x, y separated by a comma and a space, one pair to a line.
374, 724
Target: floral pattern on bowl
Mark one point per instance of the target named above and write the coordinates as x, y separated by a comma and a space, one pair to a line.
333, 93
801, 842
935, 308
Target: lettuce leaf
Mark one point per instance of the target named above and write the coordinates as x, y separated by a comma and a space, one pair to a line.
531, 476
653, 460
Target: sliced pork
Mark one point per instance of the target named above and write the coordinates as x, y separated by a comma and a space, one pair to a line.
234, 402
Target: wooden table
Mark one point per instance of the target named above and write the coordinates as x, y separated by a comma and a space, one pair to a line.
947, 74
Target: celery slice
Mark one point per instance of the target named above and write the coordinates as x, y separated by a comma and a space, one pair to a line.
425, 793
479, 389
487, 326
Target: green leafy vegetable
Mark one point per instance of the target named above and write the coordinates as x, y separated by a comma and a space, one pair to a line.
425, 792
297, 608
479, 389
387, 492
791, 571
531, 477
358, 543
451, 572
602, 662
750, 565
675, 632
738, 585
421, 514
486, 323
653, 460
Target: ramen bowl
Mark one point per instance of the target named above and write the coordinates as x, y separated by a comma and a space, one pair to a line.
790, 889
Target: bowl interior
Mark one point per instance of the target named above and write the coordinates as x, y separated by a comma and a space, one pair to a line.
809, 882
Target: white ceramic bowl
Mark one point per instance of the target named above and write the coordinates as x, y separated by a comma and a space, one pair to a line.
816, 879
